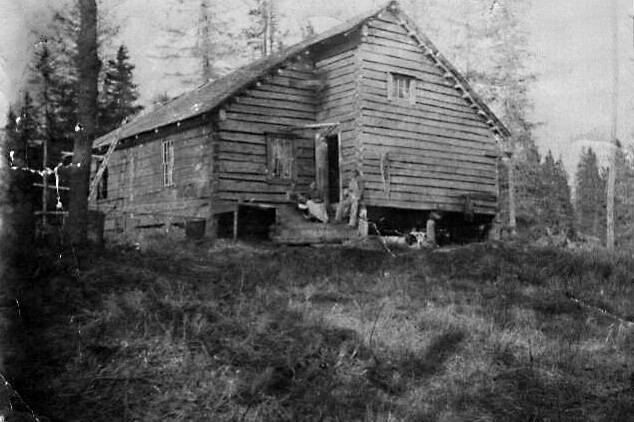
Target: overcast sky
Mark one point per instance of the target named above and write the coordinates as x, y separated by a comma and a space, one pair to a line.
570, 40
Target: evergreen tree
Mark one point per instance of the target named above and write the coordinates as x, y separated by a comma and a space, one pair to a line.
264, 34
555, 206
624, 198
118, 94
563, 195
56, 105
590, 195
21, 197
22, 130
197, 44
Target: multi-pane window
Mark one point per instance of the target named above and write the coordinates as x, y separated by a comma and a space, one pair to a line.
168, 163
401, 87
281, 157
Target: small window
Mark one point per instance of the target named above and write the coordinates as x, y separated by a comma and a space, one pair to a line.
168, 163
280, 153
401, 87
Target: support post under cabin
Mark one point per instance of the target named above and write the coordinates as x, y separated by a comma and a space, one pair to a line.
430, 231
236, 212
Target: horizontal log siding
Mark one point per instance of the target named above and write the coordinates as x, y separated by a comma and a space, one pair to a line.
281, 100
439, 149
136, 195
339, 100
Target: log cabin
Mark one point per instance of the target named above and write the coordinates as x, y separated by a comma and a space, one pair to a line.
372, 94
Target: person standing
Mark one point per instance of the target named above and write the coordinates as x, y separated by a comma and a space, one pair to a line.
351, 199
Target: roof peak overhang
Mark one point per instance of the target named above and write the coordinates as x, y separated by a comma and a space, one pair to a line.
212, 95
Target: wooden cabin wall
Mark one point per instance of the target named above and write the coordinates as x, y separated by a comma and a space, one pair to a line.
281, 101
136, 195
339, 67
438, 149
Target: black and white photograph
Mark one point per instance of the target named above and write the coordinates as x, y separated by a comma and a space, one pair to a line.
317, 210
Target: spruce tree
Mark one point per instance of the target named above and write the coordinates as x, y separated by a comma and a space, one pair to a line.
555, 206
118, 94
194, 43
563, 196
24, 131
264, 34
624, 199
590, 195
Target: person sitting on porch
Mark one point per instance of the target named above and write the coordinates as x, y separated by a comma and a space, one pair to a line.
314, 204
352, 195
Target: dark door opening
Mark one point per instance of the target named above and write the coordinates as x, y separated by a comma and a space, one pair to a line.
333, 168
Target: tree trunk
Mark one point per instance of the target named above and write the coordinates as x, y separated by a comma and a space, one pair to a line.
88, 70
205, 41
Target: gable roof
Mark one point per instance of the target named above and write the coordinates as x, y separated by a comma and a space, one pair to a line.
212, 94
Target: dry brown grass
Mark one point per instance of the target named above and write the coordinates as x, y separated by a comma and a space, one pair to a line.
189, 332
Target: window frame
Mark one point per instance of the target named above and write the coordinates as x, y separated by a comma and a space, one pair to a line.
289, 141
393, 81
167, 162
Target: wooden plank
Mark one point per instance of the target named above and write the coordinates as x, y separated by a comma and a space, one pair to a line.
452, 109
269, 119
376, 37
345, 60
341, 72
335, 58
289, 72
375, 102
451, 136
349, 79
270, 111
429, 113
281, 104
416, 58
391, 136
251, 127
423, 171
425, 191
283, 89
411, 203
429, 180
387, 26
271, 95
402, 162
434, 122
332, 98
350, 87
378, 144
267, 198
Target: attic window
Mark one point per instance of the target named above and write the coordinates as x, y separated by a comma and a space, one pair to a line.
401, 87
168, 163
280, 153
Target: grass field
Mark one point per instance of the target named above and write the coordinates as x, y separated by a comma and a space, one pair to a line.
487, 332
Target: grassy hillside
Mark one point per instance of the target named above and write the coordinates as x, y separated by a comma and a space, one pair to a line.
184, 332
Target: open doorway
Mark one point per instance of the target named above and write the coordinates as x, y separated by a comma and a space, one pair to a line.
334, 176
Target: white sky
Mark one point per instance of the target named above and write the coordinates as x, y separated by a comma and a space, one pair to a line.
570, 40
